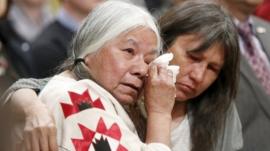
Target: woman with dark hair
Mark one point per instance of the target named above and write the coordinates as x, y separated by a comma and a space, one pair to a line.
203, 39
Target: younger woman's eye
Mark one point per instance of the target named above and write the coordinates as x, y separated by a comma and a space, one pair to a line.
194, 58
214, 69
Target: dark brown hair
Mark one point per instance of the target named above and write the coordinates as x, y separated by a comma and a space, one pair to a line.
213, 25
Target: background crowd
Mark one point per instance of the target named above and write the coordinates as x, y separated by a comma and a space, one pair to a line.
35, 37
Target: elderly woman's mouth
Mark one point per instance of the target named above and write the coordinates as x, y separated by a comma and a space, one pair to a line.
132, 86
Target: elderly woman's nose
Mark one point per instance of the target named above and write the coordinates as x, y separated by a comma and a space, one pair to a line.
140, 68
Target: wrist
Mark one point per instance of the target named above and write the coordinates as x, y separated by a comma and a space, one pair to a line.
158, 122
159, 112
33, 108
159, 115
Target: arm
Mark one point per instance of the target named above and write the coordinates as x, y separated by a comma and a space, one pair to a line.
23, 106
159, 97
34, 84
39, 130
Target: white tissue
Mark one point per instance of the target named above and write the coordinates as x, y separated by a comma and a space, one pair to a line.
164, 61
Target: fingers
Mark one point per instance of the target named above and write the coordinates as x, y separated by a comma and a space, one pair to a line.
30, 141
43, 141
160, 72
39, 139
153, 71
35, 140
27, 141
52, 139
165, 73
39, 130
159, 89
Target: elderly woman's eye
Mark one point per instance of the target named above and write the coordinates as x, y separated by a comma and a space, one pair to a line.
148, 60
129, 50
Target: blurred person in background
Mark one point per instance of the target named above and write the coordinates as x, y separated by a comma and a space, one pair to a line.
50, 48
7, 72
263, 10
24, 21
3, 63
28, 17
3, 5
159, 7
253, 99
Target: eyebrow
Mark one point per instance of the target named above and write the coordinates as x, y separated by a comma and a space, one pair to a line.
196, 53
216, 65
135, 43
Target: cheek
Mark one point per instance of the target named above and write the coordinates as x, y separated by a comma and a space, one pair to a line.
210, 79
185, 69
113, 74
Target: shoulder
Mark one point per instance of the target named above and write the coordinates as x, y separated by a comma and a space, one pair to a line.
231, 138
56, 26
83, 93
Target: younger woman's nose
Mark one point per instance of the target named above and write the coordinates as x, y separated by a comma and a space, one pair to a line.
198, 72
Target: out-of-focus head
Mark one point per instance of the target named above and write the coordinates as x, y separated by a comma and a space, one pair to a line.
203, 39
83, 6
117, 41
244, 6
33, 3
3, 6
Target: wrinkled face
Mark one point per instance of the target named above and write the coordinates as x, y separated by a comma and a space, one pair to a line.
198, 70
122, 63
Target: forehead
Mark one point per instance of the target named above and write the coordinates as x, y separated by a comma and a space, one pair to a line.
141, 37
191, 44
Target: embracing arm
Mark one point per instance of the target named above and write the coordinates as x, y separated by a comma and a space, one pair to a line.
23, 106
34, 84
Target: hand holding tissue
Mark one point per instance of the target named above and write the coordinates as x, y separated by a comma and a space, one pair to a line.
164, 60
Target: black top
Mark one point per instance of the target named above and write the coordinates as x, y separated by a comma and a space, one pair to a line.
50, 49
16, 48
39, 58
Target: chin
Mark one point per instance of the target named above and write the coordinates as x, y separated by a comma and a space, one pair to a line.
126, 99
181, 97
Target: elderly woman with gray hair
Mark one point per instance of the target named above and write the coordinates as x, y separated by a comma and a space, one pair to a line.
203, 40
111, 55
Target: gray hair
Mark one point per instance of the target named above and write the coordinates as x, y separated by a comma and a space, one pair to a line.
108, 21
